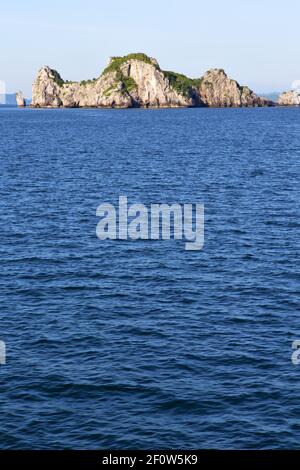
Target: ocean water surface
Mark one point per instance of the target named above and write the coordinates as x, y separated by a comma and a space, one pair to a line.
141, 344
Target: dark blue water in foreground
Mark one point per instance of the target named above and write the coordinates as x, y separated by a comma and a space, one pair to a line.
123, 344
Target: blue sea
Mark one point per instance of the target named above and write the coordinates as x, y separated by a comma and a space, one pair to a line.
142, 344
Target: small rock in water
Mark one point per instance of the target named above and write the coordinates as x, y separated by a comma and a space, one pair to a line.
20, 99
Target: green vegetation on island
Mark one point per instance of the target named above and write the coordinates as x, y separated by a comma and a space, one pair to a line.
116, 62
88, 82
181, 83
57, 78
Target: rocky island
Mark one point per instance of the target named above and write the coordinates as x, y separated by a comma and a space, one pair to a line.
137, 80
289, 98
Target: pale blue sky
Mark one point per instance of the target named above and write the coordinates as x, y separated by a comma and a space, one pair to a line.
256, 42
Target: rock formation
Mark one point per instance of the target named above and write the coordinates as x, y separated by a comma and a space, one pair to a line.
136, 80
132, 81
217, 90
20, 99
289, 98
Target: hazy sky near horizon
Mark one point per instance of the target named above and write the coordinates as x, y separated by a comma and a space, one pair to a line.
257, 43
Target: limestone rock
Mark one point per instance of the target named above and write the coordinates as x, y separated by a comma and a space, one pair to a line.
218, 90
47, 89
137, 80
20, 99
289, 98
151, 88
132, 81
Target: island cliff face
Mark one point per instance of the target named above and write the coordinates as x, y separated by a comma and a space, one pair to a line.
217, 90
133, 81
137, 80
289, 98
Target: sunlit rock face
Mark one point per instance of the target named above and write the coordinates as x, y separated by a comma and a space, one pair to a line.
218, 90
20, 100
289, 98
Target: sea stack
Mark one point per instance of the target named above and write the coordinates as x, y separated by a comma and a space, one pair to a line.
20, 99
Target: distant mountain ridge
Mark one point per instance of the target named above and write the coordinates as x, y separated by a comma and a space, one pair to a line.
10, 100
273, 96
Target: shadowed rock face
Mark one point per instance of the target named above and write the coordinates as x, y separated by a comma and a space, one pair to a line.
289, 98
136, 80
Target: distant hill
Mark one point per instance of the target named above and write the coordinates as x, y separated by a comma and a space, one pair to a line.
9, 99
271, 96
